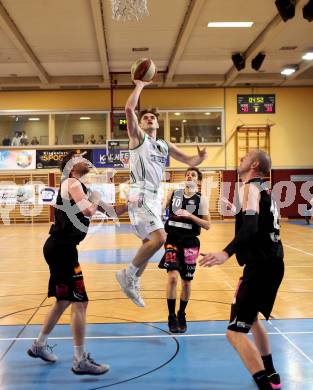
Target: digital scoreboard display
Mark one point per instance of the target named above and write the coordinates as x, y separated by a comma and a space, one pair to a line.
255, 104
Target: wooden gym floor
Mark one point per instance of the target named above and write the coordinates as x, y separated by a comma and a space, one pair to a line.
135, 341
24, 275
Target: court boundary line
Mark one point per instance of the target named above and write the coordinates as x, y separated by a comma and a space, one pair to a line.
299, 250
228, 285
7, 350
283, 334
161, 336
148, 269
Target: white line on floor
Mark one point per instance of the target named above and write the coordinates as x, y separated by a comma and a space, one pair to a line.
299, 250
149, 269
228, 284
161, 336
283, 334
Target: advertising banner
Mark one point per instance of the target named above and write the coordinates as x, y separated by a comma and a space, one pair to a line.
48, 159
47, 195
11, 194
17, 160
118, 159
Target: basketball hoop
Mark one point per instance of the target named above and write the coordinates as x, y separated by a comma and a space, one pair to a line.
129, 9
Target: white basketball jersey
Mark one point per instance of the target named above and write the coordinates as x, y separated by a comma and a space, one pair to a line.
147, 163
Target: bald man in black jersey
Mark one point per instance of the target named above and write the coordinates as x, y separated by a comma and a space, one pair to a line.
258, 248
74, 207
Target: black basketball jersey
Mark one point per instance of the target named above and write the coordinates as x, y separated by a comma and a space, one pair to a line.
176, 225
265, 244
64, 227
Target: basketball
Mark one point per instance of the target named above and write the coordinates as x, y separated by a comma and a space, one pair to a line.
143, 69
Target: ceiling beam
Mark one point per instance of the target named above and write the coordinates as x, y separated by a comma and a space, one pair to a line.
183, 37
196, 79
98, 20
123, 81
271, 30
55, 81
303, 66
20, 43
256, 46
257, 77
76, 80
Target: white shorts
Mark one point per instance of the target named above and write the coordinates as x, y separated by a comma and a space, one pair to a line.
145, 218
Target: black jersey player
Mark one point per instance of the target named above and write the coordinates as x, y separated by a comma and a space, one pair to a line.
188, 213
258, 248
75, 204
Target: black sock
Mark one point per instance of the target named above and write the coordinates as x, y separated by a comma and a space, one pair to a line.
262, 381
182, 306
268, 364
171, 303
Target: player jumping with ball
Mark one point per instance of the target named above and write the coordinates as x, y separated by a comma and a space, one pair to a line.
148, 156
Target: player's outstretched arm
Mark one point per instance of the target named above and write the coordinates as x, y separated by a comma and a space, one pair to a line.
112, 211
210, 259
192, 161
250, 197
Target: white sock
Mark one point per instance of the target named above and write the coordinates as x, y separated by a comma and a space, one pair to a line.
79, 351
132, 270
42, 338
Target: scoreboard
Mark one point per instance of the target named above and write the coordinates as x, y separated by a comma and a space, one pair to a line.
255, 104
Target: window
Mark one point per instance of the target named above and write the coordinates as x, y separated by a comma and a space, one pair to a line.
196, 126
91, 128
119, 130
80, 128
19, 129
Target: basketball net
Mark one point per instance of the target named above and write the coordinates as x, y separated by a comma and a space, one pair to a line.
129, 9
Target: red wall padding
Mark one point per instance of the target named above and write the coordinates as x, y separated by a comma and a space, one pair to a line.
277, 176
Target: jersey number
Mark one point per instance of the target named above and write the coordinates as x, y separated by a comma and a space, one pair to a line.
177, 203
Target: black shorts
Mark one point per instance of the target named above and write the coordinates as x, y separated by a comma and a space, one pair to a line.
181, 255
255, 293
66, 279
